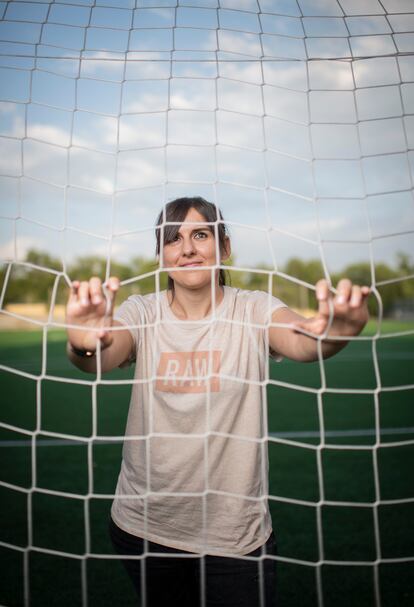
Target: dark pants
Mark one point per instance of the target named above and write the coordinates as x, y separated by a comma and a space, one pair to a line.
180, 581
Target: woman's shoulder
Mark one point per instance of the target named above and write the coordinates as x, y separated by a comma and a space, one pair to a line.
240, 301
252, 303
246, 295
140, 306
148, 300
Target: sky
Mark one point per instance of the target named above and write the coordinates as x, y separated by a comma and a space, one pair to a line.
295, 117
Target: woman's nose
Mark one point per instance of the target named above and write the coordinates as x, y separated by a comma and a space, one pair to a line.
188, 246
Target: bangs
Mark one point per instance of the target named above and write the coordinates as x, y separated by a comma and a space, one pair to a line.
177, 214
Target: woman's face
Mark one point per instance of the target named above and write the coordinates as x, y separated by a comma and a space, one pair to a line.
194, 247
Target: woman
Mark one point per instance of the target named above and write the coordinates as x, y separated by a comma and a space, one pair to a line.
193, 481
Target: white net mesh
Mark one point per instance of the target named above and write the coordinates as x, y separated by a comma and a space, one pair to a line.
296, 119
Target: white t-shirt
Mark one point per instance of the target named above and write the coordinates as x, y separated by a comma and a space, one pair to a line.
195, 474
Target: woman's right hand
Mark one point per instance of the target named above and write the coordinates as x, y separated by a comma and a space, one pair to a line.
90, 305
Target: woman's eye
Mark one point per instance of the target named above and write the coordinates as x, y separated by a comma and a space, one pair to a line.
201, 235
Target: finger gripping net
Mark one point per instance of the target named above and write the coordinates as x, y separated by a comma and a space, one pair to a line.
295, 118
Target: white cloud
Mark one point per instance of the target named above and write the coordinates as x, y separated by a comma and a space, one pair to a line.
92, 169
45, 161
7, 251
247, 72
142, 130
95, 132
103, 65
240, 42
10, 157
12, 119
23, 245
49, 134
334, 75
140, 169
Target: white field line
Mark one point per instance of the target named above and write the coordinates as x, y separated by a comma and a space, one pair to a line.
57, 442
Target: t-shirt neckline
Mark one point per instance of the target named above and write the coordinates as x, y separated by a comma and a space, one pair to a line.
169, 314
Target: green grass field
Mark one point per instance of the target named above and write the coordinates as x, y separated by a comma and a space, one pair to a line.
367, 487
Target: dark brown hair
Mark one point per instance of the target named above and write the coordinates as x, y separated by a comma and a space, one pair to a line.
176, 211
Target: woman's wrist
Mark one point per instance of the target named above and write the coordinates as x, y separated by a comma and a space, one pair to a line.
85, 352
81, 352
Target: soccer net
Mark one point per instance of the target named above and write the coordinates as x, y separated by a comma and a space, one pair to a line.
296, 119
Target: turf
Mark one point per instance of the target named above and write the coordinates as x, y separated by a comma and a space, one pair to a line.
333, 520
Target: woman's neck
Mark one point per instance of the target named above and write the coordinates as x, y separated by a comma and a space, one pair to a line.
188, 304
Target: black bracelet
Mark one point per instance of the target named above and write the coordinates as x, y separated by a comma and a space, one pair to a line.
81, 352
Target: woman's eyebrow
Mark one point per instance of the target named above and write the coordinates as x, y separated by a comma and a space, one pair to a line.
197, 227
201, 227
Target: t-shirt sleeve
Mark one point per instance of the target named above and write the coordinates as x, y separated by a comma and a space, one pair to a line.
264, 304
263, 307
130, 314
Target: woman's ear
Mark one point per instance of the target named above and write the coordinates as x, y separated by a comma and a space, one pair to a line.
226, 249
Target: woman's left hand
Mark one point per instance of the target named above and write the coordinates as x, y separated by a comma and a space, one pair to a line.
346, 313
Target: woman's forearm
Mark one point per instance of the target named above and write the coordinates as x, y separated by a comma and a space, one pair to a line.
111, 356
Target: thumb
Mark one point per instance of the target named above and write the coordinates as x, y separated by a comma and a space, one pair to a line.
316, 325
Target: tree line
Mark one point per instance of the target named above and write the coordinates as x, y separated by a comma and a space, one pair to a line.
31, 285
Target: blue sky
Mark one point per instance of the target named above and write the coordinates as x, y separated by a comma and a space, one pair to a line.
295, 116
